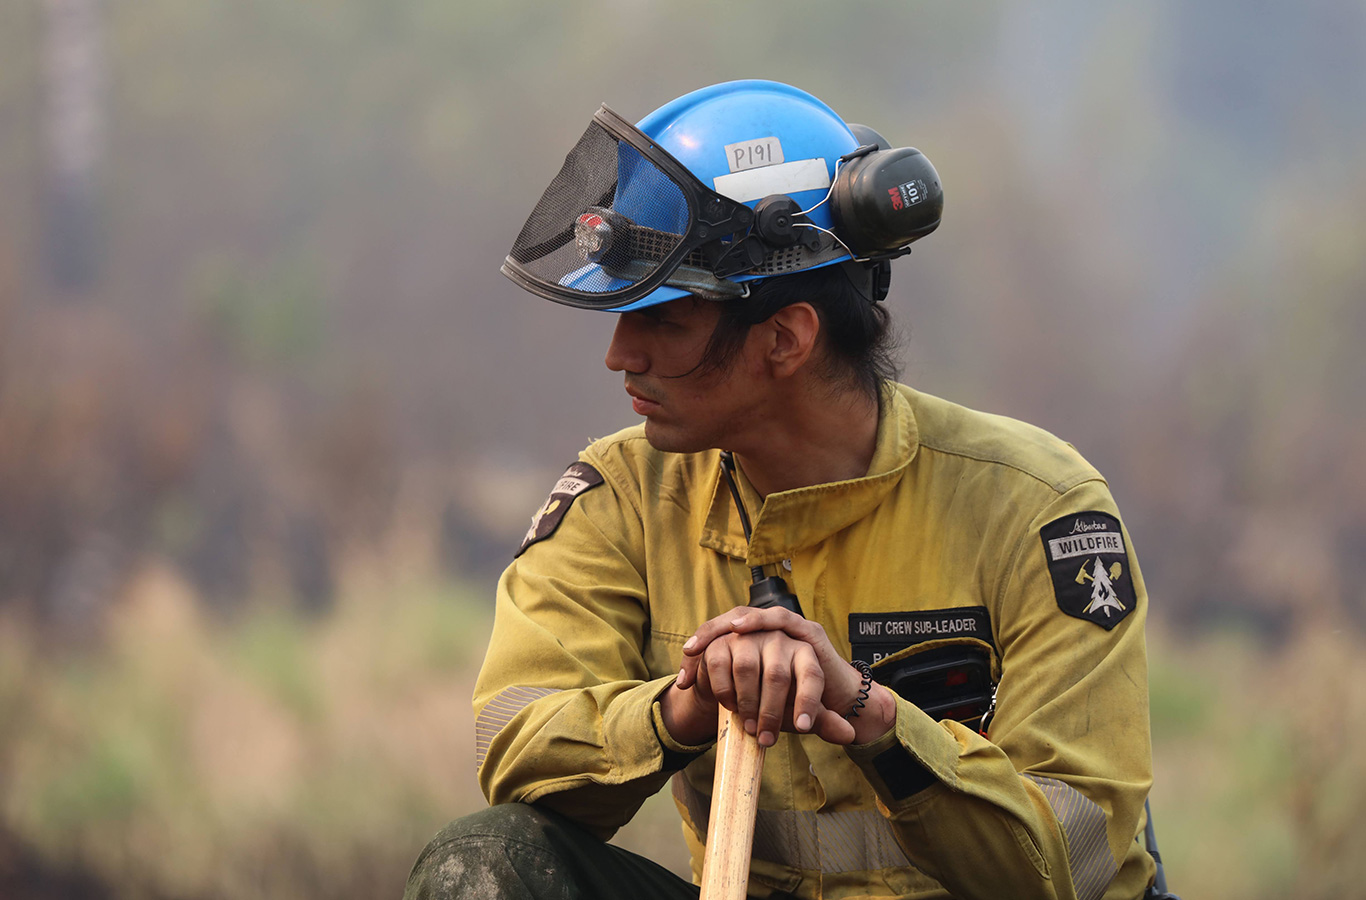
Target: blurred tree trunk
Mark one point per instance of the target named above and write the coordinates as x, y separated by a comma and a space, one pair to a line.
75, 99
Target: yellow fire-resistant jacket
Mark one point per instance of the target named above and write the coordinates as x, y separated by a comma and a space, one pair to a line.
997, 521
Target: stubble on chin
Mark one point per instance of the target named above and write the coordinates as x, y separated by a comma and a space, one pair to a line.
667, 440
660, 438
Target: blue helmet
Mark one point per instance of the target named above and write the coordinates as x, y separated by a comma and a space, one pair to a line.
725, 185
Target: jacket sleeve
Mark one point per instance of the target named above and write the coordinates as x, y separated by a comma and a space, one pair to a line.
565, 707
1049, 805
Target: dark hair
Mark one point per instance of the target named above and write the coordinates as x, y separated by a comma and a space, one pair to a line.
858, 347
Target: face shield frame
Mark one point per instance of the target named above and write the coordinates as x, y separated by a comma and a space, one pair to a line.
711, 217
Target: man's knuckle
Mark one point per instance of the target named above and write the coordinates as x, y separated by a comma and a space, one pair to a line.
777, 676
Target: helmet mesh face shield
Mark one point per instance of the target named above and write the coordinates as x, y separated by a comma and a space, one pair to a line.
621, 219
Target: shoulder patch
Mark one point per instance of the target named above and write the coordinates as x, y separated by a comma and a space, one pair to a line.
576, 479
1090, 567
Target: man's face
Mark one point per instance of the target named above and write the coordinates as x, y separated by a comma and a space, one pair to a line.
685, 409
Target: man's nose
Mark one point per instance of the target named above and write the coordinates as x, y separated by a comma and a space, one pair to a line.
624, 353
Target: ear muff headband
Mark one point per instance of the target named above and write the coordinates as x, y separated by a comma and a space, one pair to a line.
880, 201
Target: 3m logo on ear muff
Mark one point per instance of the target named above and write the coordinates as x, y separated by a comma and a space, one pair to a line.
908, 194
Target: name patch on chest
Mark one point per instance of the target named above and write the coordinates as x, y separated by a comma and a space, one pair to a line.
875, 635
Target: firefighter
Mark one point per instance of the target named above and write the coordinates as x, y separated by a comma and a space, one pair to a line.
953, 688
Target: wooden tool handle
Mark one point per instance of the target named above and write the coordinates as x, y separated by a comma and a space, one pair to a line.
734, 801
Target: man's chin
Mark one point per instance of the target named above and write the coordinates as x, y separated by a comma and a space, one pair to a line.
671, 440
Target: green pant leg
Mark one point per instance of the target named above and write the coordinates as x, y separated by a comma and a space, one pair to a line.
528, 853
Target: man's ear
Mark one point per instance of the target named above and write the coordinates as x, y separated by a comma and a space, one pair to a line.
796, 329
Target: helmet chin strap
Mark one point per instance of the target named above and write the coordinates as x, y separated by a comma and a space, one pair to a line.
872, 280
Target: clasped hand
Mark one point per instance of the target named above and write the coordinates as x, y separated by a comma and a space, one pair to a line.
777, 669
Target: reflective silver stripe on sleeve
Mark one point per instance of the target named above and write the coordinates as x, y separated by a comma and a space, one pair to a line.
499, 711
829, 842
694, 801
1088, 846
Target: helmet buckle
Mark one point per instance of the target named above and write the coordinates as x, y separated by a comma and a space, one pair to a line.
741, 256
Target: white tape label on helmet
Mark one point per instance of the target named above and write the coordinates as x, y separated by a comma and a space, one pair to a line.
787, 178
753, 154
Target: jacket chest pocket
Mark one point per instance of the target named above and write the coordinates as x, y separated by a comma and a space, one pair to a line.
683, 600
941, 660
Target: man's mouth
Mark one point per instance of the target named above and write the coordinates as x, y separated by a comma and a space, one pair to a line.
641, 402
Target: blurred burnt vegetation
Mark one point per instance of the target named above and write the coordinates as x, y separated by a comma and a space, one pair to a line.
271, 422
296, 343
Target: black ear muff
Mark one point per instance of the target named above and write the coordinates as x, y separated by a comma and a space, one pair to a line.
882, 200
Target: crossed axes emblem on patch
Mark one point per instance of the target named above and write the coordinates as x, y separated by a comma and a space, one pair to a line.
1103, 596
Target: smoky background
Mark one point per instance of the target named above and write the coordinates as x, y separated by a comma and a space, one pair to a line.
271, 422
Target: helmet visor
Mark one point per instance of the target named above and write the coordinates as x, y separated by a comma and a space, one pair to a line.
622, 218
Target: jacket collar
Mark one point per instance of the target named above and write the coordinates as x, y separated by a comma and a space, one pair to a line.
787, 522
